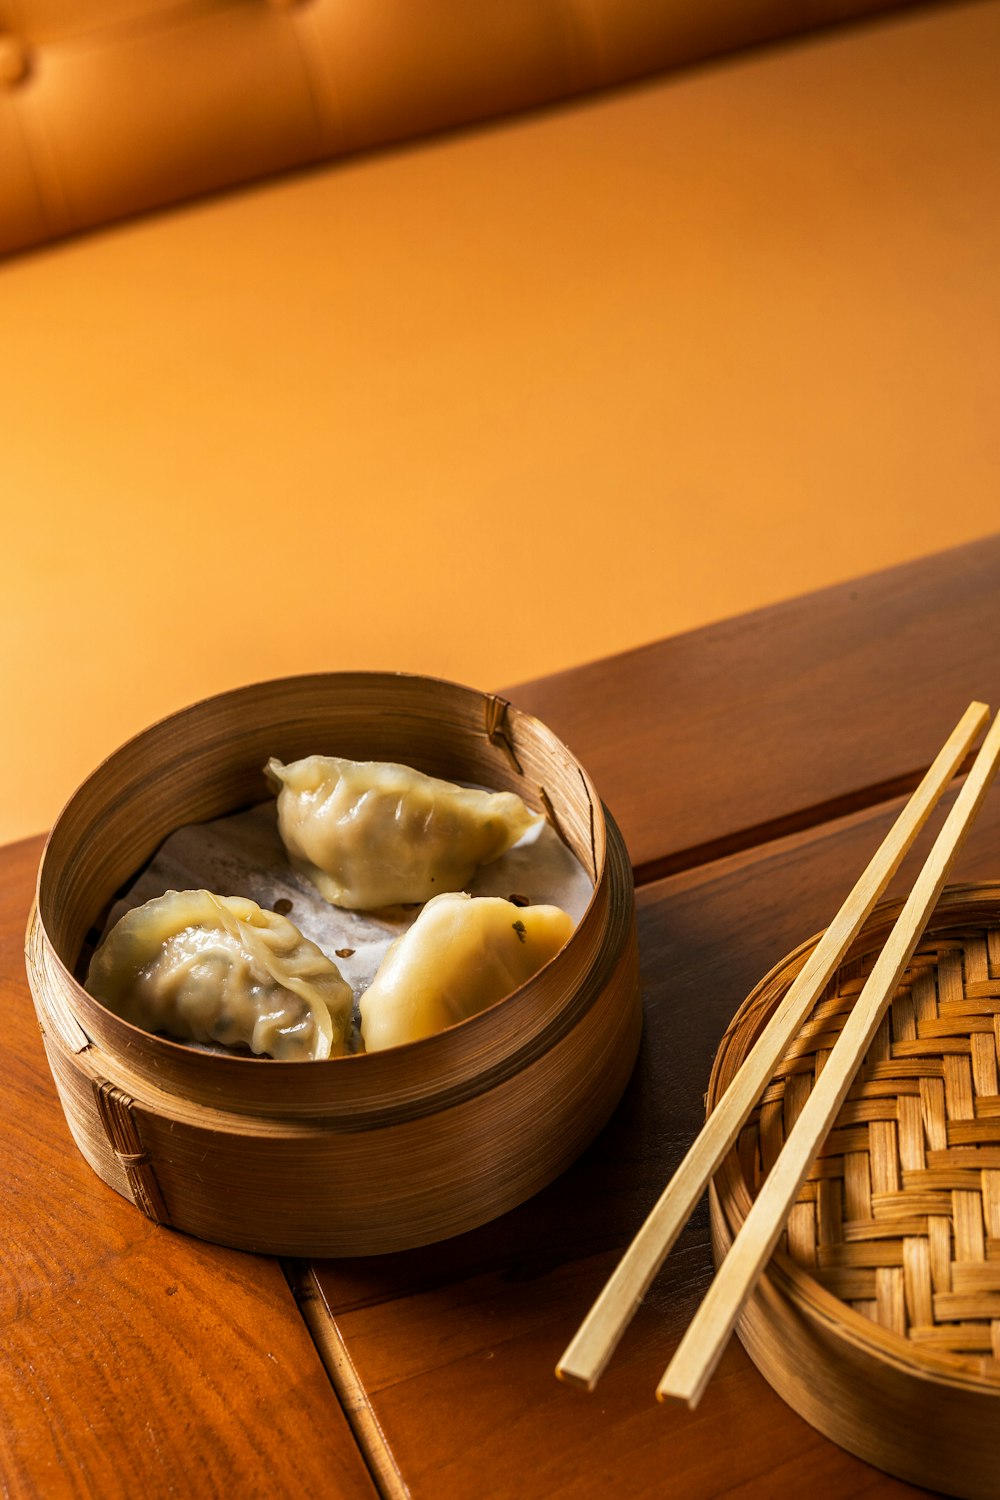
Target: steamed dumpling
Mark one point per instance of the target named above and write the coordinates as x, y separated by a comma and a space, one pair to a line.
371, 833
208, 968
461, 954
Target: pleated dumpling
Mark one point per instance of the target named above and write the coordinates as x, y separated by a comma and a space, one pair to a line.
372, 833
461, 954
209, 968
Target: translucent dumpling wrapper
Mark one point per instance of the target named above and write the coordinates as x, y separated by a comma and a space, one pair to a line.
461, 954
371, 833
208, 968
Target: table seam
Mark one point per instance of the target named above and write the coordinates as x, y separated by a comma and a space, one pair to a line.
373, 1445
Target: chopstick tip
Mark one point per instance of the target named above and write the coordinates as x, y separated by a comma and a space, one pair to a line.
666, 1394
568, 1376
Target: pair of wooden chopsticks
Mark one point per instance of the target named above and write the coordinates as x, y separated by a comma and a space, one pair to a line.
701, 1347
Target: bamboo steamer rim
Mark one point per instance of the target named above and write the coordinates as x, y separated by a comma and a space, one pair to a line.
961, 905
415, 1075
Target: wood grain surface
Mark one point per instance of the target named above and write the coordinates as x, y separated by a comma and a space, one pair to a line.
475, 1329
755, 766
774, 721
134, 1360
786, 736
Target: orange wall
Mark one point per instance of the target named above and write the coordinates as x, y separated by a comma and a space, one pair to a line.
509, 400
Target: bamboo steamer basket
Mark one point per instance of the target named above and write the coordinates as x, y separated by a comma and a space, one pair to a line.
878, 1318
362, 1154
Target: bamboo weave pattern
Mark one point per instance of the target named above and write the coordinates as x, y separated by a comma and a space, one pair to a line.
900, 1216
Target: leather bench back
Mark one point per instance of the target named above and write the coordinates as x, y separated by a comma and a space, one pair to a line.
113, 107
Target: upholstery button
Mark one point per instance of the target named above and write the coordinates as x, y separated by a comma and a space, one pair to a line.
14, 61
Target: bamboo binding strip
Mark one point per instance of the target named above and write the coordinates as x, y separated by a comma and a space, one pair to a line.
879, 1318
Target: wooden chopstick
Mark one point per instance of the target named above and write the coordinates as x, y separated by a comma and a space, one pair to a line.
701, 1347
597, 1338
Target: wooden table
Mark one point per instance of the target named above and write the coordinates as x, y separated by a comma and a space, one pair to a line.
753, 767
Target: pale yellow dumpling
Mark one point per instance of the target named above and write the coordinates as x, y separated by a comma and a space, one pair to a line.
461, 954
208, 968
372, 833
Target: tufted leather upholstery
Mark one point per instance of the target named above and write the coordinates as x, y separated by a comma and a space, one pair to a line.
112, 107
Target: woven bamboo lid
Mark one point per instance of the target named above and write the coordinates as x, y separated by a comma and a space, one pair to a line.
879, 1318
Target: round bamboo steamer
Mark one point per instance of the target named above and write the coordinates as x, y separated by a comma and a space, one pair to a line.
361, 1154
878, 1318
